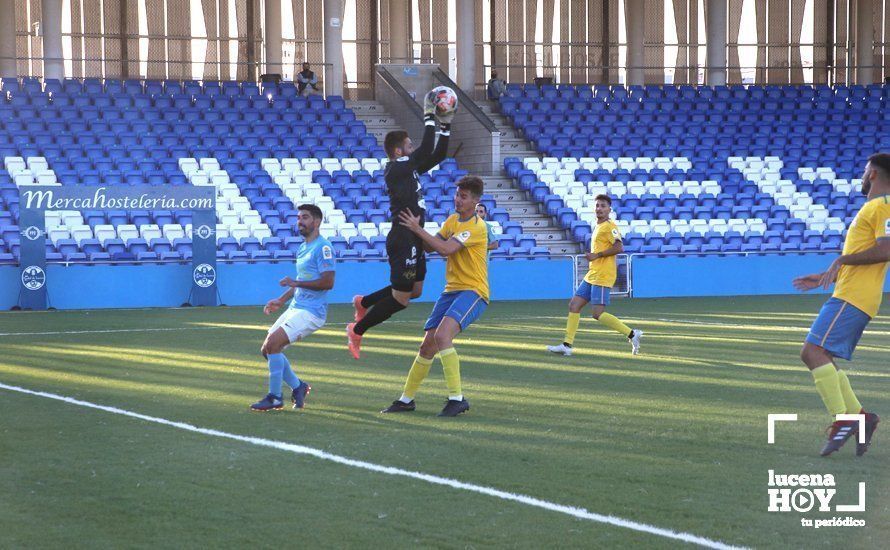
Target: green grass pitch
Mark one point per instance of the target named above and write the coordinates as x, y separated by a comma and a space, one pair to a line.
675, 438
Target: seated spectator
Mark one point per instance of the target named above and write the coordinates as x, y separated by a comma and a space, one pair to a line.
306, 78
496, 87
482, 212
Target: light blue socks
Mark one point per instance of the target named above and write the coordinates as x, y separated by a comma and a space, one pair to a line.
279, 369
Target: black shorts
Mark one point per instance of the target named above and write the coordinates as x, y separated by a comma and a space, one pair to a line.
407, 261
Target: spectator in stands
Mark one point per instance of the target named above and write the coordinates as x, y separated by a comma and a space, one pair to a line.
496, 86
482, 212
306, 78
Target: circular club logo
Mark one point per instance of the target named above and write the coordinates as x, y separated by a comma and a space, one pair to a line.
32, 233
33, 277
204, 275
204, 232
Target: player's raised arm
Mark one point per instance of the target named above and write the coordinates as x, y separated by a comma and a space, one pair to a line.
425, 163
422, 153
440, 151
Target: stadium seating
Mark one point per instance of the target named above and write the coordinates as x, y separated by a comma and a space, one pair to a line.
265, 150
703, 169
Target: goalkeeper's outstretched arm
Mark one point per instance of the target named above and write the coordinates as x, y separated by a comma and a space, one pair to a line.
423, 152
440, 152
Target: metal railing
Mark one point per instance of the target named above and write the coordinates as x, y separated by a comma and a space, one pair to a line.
112, 69
750, 74
622, 282
399, 90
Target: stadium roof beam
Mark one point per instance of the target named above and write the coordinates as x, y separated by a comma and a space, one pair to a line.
635, 14
865, 55
716, 27
273, 36
466, 49
7, 39
398, 31
333, 47
51, 29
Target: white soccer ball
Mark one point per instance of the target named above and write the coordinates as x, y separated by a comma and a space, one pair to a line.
444, 99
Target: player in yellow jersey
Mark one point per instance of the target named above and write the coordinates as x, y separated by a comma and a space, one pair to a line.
597, 285
463, 240
858, 275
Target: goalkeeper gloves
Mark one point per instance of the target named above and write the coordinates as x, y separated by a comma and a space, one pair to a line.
429, 108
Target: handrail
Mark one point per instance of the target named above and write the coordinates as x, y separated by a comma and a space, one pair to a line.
394, 85
465, 101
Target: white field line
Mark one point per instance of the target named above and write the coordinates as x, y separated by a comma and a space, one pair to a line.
388, 322
579, 513
105, 331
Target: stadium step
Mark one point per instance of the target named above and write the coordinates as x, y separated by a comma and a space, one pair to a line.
515, 200
377, 120
503, 192
549, 237
365, 107
559, 247
517, 147
502, 188
533, 221
501, 122
519, 208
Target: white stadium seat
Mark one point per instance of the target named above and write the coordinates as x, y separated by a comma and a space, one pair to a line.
104, 232
367, 230
260, 231
126, 232
150, 231
208, 164
81, 232
239, 231
172, 231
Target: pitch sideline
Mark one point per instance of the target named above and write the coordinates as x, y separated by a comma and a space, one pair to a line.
579, 513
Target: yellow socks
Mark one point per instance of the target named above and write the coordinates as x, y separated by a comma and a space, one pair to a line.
572, 327
418, 372
451, 370
853, 404
614, 323
829, 388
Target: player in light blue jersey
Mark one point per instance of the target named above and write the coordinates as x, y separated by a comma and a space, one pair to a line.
306, 314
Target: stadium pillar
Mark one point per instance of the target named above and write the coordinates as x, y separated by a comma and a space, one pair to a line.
716, 37
466, 54
865, 55
272, 11
399, 48
635, 13
51, 29
333, 47
7, 39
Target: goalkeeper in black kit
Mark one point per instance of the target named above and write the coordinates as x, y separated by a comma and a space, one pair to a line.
407, 262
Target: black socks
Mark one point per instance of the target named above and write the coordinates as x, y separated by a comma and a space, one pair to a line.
374, 297
382, 310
